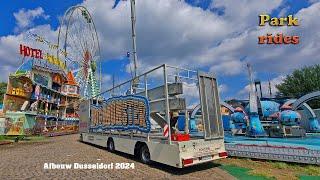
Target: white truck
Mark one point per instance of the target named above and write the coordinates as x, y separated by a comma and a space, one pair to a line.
135, 117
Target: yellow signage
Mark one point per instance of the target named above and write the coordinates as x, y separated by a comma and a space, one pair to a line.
54, 60
18, 92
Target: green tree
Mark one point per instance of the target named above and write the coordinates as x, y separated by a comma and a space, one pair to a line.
3, 89
301, 82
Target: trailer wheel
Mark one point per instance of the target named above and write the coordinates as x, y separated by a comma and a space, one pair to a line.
110, 145
145, 154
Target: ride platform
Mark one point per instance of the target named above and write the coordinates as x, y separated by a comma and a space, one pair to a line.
300, 150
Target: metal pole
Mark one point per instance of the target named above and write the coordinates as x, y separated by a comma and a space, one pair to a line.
113, 83
145, 86
167, 100
186, 125
133, 28
253, 104
270, 91
146, 95
100, 76
90, 115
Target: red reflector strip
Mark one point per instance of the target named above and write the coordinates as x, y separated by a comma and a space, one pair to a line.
223, 154
187, 161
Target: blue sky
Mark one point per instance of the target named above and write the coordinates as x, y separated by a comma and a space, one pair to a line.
52, 8
211, 35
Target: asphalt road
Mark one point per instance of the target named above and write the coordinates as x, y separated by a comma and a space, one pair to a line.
27, 161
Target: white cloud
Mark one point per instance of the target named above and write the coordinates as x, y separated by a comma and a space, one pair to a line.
277, 58
167, 31
244, 14
314, 1
283, 11
223, 88
228, 67
24, 18
190, 90
244, 93
106, 81
176, 33
9, 47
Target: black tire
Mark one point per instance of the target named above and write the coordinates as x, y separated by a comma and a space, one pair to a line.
145, 154
110, 145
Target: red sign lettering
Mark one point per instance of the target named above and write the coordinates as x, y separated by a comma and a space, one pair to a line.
30, 52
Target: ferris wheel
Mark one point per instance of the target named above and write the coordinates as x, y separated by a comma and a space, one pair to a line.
79, 48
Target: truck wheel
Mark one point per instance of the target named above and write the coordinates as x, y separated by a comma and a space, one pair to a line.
110, 145
145, 154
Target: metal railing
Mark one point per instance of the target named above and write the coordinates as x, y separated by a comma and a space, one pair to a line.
160, 76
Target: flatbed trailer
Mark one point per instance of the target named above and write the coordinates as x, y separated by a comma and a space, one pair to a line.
157, 142
178, 154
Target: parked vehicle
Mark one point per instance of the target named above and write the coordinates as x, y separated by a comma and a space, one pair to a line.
138, 117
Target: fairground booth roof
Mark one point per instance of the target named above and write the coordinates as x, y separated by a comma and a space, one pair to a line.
30, 64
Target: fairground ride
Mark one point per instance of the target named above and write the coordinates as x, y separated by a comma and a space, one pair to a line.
79, 42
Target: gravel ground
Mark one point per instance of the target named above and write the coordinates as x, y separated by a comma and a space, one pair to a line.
26, 161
